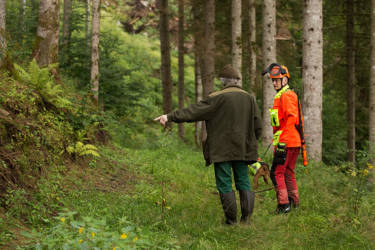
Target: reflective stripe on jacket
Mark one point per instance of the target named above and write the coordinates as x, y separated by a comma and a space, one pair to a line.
284, 117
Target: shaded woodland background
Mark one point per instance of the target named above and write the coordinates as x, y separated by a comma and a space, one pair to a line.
81, 76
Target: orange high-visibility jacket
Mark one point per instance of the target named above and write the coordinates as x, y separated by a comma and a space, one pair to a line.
284, 117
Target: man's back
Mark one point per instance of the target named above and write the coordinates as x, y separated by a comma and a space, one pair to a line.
234, 128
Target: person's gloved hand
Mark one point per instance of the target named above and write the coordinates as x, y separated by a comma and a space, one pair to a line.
280, 153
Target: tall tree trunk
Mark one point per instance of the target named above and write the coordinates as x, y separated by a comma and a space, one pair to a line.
236, 36
181, 66
165, 57
208, 71
3, 41
372, 90
269, 56
95, 50
66, 32
87, 23
198, 97
253, 55
209, 49
46, 49
197, 9
312, 76
350, 81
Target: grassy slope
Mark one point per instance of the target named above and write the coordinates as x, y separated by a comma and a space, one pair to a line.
131, 184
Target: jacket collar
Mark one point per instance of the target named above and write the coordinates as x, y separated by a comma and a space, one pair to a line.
232, 86
281, 91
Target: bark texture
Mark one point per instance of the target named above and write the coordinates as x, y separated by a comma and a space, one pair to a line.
46, 48
197, 10
269, 56
253, 55
209, 50
181, 64
372, 89
198, 98
165, 57
350, 80
312, 76
95, 49
208, 72
3, 41
236, 36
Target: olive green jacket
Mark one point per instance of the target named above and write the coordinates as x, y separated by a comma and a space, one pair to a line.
233, 124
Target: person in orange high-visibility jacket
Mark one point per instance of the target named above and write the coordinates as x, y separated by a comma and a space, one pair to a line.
287, 140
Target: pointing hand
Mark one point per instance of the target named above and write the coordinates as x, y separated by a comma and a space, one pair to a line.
163, 119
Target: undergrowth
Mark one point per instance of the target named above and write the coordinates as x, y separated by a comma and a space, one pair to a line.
163, 197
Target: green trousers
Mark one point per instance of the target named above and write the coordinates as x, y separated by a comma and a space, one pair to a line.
223, 175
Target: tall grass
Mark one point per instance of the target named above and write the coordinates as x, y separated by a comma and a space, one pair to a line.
168, 196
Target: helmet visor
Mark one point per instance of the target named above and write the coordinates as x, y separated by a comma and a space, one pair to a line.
276, 72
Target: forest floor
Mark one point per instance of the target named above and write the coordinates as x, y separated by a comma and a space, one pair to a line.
163, 197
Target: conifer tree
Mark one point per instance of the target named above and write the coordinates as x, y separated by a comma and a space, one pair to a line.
236, 35
95, 49
47, 42
312, 76
253, 56
181, 87
371, 124
165, 56
197, 8
350, 80
269, 56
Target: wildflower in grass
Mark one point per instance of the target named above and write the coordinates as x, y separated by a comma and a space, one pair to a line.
80, 230
365, 172
80, 241
92, 234
354, 173
169, 208
62, 219
370, 166
123, 236
114, 248
135, 239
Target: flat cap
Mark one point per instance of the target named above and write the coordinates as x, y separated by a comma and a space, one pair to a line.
229, 72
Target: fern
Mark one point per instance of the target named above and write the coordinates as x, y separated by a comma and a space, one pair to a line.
83, 149
41, 81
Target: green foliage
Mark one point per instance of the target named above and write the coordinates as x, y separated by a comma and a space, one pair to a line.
359, 177
334, 140
169, 200
71, 231
83, 149
5, 234
41, 81
20, 32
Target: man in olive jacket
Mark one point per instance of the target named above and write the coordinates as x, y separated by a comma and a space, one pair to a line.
233, 126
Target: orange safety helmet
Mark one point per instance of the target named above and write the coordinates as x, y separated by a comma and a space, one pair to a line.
277, 71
